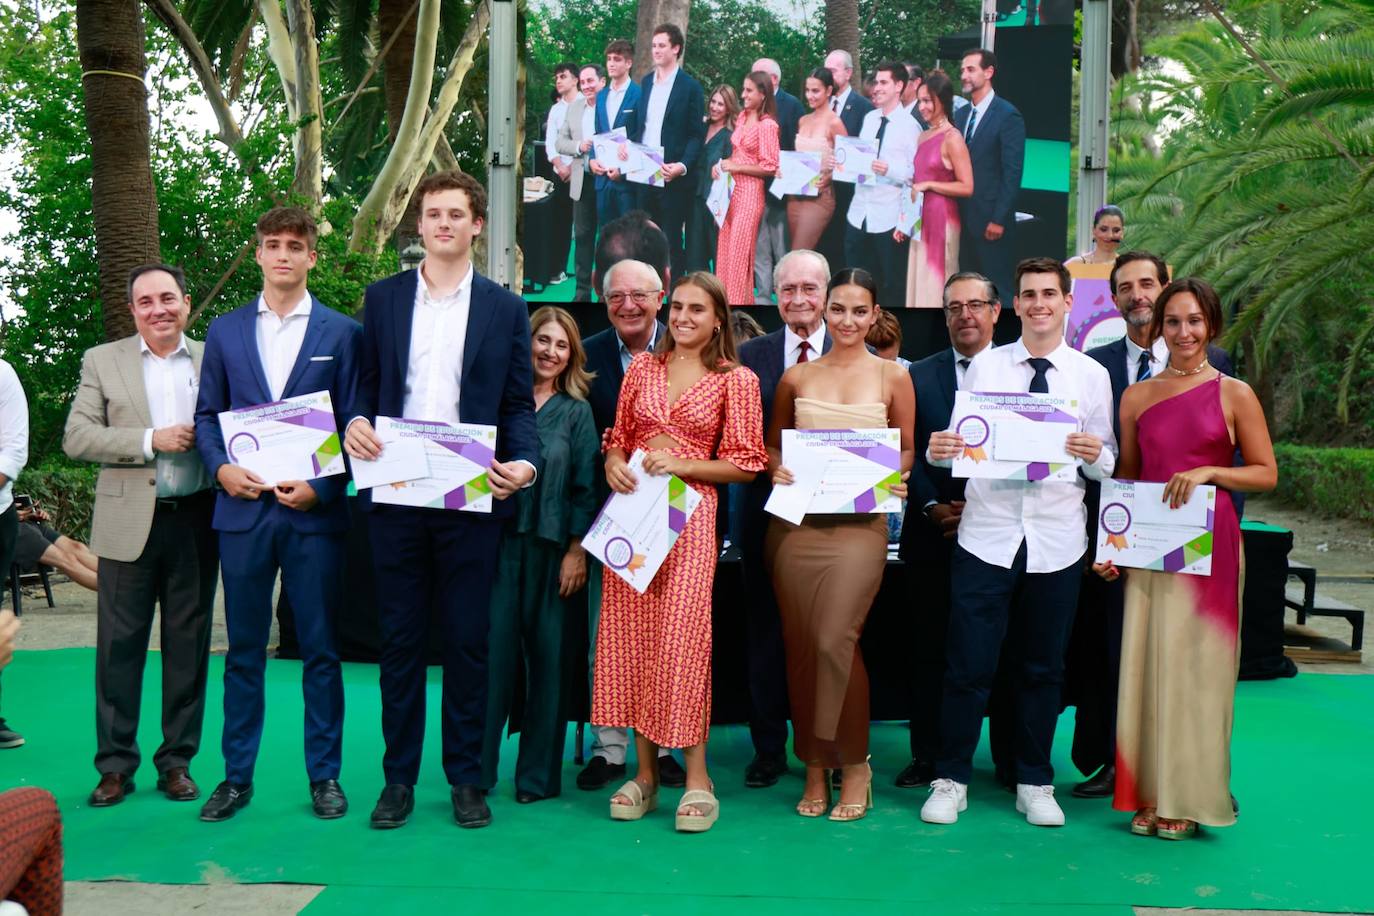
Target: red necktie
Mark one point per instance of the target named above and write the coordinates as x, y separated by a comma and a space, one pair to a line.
805, 346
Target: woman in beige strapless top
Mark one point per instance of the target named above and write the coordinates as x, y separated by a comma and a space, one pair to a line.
826, 571
807, 217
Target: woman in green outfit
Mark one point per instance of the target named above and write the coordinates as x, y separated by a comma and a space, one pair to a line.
542, 565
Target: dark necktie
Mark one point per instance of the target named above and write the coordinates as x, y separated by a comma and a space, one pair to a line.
804, 346
1039, 383
1144, 371
968, 128
882, 129
963, 363
835, 105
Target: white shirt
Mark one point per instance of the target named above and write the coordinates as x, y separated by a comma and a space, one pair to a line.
614, 99
171, 385
1048, 516
1159, 356
791, 346
960, 372
557, 114
874, 208
589, 120
438, 333
657, 108
840, 100
279, 342
980, 110
14, 432
627, 355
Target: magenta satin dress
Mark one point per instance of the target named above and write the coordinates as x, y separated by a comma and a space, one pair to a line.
934, 256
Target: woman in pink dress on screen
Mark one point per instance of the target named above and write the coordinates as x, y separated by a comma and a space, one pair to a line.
942, 172
753, 158
1180, 647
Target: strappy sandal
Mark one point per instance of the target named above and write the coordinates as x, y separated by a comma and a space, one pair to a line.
640, 804
815, 807
1176, 828
700, 799
1145, 822
852, 812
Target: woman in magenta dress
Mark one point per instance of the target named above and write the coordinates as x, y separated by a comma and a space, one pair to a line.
1180, 648
942, 172
753, 158
697, 414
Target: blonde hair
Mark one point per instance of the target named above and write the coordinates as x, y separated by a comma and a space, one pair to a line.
719, 353
574, 381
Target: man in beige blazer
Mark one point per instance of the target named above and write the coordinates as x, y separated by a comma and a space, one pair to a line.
575, 140
134, 413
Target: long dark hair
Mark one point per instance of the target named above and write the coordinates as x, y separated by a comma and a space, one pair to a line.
854, 276
941, 89
763, 82
719, 353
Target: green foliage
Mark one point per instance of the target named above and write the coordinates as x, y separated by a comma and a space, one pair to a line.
66, 491
1333, 481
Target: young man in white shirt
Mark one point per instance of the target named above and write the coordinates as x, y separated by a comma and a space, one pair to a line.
1018, 562
565, 84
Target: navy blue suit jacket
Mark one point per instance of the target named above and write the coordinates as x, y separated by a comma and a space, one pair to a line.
683, 128
497, 380
232, 377
934, 381
998, 154
1112, 356
603, 358
628, 106
790, 113
852, 115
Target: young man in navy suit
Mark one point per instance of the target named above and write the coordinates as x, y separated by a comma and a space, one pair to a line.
996, 138
671, 106
851, 105
442, 343
284, 344
616, 103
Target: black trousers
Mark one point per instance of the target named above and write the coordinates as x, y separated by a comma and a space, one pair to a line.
428, 561
584, 240
1033, 612
177, 573
560, 226
882, 256
993, 260
768, 706
1093, 672
669, 207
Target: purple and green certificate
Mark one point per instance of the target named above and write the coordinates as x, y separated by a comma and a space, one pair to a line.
293, 439
1014, 435
1137, 528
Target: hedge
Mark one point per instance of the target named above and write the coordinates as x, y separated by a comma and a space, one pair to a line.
66, 490
1333, 481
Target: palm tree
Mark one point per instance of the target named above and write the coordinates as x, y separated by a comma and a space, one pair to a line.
109, 40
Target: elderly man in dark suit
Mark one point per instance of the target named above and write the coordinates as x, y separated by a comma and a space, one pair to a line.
1094, 659
801, 278
671, 106
442, 343
772, 240
996, 138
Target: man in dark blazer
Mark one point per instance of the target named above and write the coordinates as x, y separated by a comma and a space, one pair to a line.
669, 115
442, 343
284, 344
616, 103
851, 105
996, 138
932, 522
772, 242
1094, 659
802, 278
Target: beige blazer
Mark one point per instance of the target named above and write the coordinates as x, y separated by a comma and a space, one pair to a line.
107, 422
568, 143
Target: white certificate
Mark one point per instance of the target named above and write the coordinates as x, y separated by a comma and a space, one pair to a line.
798, 173
647, 165
909, 212
857, 470
294, 439
718, 200
634, 531
1136, 528
401, 459
854, 160
607, 148
1014, 435
458, 456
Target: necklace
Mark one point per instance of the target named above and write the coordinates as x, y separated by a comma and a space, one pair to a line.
1203, 365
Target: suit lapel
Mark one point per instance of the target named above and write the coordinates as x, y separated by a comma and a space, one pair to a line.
130, 362
403, 316
479, 319
248, 332
945, 378
310, 346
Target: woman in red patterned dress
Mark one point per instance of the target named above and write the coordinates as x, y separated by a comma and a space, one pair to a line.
697, 414
753, 158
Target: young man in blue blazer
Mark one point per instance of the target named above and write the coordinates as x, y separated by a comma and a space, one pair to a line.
283, 344
616, 104
442, 343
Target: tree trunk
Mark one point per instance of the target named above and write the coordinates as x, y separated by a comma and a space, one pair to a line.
396, 17
842, 32
651, 15
109, 39
309, 179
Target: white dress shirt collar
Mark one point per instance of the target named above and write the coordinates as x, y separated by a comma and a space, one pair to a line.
1159, 355
279, 339
301, 308
979, 110
438, 337
791, 345
171, 386
627, 355
842, 98
181, 347
959, 370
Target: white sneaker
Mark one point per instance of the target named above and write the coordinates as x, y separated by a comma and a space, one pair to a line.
1038, 805
947, 799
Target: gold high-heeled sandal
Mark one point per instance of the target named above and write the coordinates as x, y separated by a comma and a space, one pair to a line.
815, 807
846, 811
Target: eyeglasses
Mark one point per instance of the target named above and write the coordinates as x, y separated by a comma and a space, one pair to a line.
975, 307
638, 296
806, 289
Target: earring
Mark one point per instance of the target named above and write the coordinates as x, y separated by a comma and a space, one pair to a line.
715, 331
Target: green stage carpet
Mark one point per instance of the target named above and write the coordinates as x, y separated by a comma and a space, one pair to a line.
1302, 751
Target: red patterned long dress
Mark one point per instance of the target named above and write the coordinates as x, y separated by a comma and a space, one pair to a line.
653, 651
752, 143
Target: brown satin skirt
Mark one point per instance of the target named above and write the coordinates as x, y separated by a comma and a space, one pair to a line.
826, 573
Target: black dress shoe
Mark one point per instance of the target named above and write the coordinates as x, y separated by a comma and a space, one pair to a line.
598, 773
226, 800
671, 773
327, 799
523, 797
1235, 806
470, 807
763, 772
916, 773
1101, 784
394, 807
